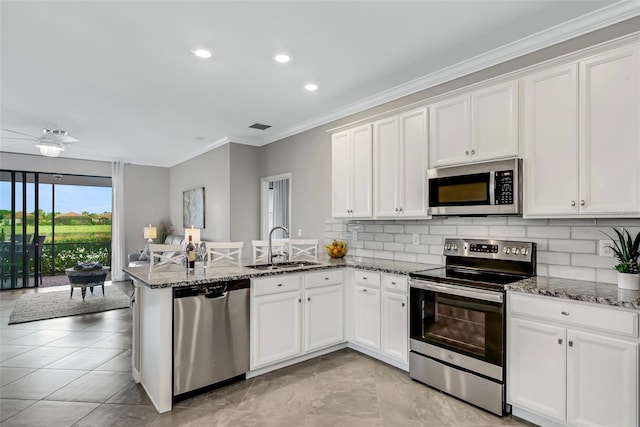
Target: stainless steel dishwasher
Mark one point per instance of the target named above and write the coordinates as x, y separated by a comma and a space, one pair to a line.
210, 334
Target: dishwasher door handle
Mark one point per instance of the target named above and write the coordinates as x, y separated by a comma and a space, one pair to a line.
216, 296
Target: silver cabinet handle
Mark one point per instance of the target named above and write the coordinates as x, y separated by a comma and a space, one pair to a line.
403, 304
279, 284
396, 209
466, 152
573, 203
393, 283
473, 152
326, 278
299, 299
559, 340
570, 343
308, 298
564, 313
582, 203
364, 278
364, 290
401, 209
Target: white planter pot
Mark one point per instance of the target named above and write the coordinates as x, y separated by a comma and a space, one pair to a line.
629, 281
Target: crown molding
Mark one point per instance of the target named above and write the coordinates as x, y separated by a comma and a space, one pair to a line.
585, 24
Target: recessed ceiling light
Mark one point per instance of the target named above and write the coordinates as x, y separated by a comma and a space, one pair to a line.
311, 87
282, 58
201, 53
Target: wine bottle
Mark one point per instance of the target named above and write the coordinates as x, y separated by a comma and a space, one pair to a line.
191, 254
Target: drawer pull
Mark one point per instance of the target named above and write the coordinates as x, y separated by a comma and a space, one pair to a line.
403, 304
364, 290
559, 340
326, 278
393, 283
308, 298
564, 313
570, 343
364, 277
299, 299
279, 284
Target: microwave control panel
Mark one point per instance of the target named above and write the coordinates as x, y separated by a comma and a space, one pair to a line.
504, 187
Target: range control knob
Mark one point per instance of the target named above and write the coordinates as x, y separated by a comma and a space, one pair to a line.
506, 250
524, 251
454, 247
516, 251
447, 246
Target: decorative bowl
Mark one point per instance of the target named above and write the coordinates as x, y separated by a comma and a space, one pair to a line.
337, 249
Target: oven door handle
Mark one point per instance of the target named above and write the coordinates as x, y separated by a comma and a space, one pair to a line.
459, 291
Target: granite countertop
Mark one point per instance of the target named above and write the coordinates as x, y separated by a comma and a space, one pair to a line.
599, 293
168, 276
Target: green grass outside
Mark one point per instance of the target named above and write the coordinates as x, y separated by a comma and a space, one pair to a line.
86, 232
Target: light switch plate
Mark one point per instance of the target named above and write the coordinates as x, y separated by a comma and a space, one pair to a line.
604, 248
416, 239
355, 235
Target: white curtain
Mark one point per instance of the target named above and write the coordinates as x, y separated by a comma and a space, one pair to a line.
117, 222
280, 206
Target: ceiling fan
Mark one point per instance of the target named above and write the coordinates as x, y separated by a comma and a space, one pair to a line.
51, 143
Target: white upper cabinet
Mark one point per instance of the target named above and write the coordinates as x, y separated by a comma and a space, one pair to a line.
351, 160
582, 137
478, 126
400, 165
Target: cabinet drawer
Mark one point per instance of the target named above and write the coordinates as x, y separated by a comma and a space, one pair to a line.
571, 313
367, 278
323, 278
395, 283
275, 284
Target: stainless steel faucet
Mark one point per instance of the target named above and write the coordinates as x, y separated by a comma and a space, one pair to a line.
270, 255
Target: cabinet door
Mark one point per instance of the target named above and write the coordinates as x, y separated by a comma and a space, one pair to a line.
450, 131
610, 133
536, 376
386, 145
394, 325
275, 327
602, 381
341, 174
494, 122
366, 316
413, 164
551, 142
362, 174
324, 317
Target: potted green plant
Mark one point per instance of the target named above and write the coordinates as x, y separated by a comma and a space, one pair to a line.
627, 251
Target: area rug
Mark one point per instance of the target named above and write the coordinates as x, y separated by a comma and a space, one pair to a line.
49, 305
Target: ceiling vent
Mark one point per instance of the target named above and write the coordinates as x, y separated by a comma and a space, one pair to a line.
259, 126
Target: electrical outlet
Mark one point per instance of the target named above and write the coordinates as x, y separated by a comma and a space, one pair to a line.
416, 239
355, 235
604, 248
299, 232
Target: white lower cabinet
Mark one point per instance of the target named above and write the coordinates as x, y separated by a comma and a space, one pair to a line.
381, 315
290, 310
395, 321
560, 371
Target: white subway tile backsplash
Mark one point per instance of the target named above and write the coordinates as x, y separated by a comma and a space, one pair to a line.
585, 260
566, 247
394, 228
404, 256
403, 238
556, 258
443, 230
373, 245
549, 232
507, 231
473, 230
490, 220
606, 275
392, 246
580, 246
383, 237
577, 273
420, 229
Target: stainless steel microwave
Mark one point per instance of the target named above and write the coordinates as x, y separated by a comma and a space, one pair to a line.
492, 188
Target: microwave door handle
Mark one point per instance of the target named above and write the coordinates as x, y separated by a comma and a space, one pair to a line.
492, 188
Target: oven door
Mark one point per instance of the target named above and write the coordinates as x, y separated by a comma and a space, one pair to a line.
460, 319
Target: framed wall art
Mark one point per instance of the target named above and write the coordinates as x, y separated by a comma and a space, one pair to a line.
193, 208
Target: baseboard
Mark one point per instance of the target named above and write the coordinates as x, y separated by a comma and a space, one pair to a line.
534, 418
381, 357
135, 374
289, 362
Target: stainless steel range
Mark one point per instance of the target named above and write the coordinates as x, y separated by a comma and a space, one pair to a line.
457, 319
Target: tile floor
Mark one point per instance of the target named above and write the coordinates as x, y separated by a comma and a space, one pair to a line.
76, 371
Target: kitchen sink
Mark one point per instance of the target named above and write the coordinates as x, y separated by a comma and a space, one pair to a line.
283, 265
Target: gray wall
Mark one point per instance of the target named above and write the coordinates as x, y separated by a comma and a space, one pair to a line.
245, 195
146, 202
211, 171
